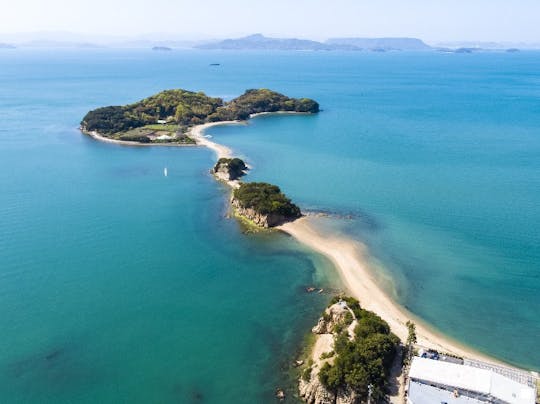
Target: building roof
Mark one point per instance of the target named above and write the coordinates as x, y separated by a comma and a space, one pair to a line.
419, 393
473, 379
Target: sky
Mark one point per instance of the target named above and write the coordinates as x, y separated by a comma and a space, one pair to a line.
431, 20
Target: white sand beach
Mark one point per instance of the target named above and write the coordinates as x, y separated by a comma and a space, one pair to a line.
349, 257
197, 134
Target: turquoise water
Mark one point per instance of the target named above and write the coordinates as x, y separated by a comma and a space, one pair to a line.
120, 285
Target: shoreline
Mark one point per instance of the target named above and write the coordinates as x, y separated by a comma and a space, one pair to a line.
349, 258
196, 133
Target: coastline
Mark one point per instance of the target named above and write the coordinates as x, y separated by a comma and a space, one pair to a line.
197, 134
349, 258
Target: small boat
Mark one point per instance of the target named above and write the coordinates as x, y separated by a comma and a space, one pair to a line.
165, 172
215, 64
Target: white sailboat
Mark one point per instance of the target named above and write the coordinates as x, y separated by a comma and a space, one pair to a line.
165, 172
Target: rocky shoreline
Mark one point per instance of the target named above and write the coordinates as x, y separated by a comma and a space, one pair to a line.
262, 220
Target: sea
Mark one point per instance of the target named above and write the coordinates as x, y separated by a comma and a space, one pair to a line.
121, 285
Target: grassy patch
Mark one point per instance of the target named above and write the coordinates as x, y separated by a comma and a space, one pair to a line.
160, 127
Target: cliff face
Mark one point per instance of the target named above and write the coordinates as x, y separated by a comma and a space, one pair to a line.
262, 220
313, 392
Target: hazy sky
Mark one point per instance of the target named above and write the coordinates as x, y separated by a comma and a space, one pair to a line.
432, 20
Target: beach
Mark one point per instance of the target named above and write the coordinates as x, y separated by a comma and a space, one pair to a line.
197, 134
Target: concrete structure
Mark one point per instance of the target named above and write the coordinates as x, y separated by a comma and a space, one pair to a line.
443, 382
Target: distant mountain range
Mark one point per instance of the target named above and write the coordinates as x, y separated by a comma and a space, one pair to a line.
260, 42
251, 42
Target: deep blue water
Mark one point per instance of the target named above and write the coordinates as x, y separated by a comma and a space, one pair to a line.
120, 285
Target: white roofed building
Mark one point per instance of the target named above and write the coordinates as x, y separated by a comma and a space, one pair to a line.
435, 382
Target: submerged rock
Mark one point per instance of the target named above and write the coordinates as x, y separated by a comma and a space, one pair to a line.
280, 394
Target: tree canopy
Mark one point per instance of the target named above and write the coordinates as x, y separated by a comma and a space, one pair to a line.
265, 199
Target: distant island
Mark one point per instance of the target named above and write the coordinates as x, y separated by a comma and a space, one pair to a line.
161, 48
166, 117
381, 43
6, 46
260, 42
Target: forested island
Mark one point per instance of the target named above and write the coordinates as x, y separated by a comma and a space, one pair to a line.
264, 204
166, 117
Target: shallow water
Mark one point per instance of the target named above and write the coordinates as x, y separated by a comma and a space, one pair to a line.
120, 285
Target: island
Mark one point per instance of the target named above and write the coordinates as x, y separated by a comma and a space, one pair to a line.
382, 44
230, 169
260, 42
351, 358
165, 118
161, 48
263, 204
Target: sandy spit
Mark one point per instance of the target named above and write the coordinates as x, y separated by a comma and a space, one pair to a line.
350, 258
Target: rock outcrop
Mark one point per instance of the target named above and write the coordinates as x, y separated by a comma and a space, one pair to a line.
311, 390
333, 315
265, 220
